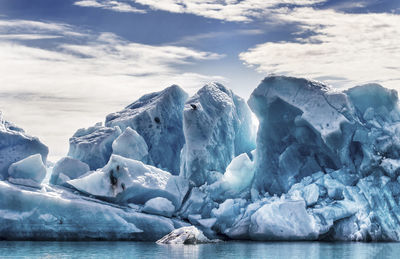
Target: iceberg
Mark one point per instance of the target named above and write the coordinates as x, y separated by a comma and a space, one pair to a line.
325, 165
67, 169
336, 151
29, 171
325, 168
217, 126
157, 117
16, 145
93, 145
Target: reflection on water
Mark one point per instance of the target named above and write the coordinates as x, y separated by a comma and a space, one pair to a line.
126, 250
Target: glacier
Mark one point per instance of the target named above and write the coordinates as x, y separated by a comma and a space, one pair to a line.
324, 164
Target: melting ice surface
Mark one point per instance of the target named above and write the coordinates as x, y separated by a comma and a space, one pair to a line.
324, 165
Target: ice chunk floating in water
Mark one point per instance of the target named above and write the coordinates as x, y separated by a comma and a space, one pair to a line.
325, 166
185, 235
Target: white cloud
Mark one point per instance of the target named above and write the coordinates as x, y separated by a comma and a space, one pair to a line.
109, 5
198, 38
227, 10
27, 37
37, 28
341, 48
53, 92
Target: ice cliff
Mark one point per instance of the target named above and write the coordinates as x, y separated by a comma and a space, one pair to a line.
324, 165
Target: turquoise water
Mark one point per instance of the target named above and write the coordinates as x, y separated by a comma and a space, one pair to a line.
126, 250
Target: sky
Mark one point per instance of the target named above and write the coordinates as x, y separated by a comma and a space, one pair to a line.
66, 64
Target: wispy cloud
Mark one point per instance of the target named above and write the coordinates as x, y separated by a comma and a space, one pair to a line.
226, 10
344, 48
37, 28
197, 38
27, 37
117, 6
74, 85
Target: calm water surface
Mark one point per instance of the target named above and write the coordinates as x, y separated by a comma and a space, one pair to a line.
126, 250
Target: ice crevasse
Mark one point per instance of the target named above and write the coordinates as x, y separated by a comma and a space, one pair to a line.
323, 165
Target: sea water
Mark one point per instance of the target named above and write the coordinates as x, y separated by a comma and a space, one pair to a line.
124, 250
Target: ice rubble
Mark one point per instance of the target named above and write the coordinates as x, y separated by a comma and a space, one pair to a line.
326, 167
217, 127
16, 145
